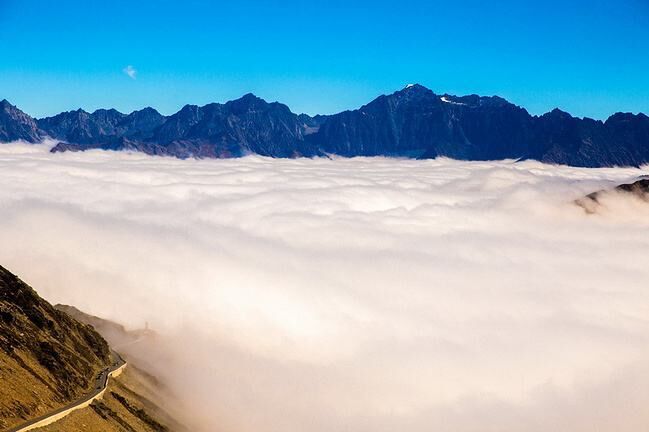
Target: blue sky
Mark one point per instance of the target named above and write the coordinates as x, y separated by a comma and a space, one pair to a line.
590, 58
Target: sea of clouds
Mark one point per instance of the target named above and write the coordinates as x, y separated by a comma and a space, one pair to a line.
364, 294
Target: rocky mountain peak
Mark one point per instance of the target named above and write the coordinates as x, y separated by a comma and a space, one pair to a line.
16, 125
414, 88
411, 122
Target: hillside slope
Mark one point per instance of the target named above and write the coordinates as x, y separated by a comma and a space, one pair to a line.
136, 397
47, 359
129, 405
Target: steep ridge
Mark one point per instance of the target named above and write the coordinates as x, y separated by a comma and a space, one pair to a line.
113, 332
412, 122
416, 122
248, 125
16, 125
639, 189
47, 359
102, 128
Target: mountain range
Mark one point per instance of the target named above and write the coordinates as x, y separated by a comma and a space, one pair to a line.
413, 122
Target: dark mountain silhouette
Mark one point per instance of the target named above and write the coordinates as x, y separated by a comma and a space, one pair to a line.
416, 122
16, 125
638, 189
413, 122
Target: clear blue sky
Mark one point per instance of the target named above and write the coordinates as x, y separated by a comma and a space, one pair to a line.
590, 58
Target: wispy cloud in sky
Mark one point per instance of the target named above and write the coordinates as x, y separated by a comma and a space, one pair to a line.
130, 71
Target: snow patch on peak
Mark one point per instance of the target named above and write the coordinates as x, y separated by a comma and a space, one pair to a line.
447, 100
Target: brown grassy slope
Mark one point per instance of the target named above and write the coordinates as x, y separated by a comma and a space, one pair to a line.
126, 406
47, 358
137, 385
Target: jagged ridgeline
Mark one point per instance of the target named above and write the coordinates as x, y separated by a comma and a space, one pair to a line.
413, 122
47, 358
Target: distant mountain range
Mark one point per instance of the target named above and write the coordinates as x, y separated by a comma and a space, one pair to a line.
413, 122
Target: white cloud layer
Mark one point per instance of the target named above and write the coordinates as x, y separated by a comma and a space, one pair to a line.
351, 294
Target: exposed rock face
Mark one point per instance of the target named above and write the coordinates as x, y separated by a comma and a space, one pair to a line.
623, 140
101, 127
236, 128
16, 125
46, 357
412, 122
248, 125
638, 189
416, 122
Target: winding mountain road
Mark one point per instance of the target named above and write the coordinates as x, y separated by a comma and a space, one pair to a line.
101, 382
